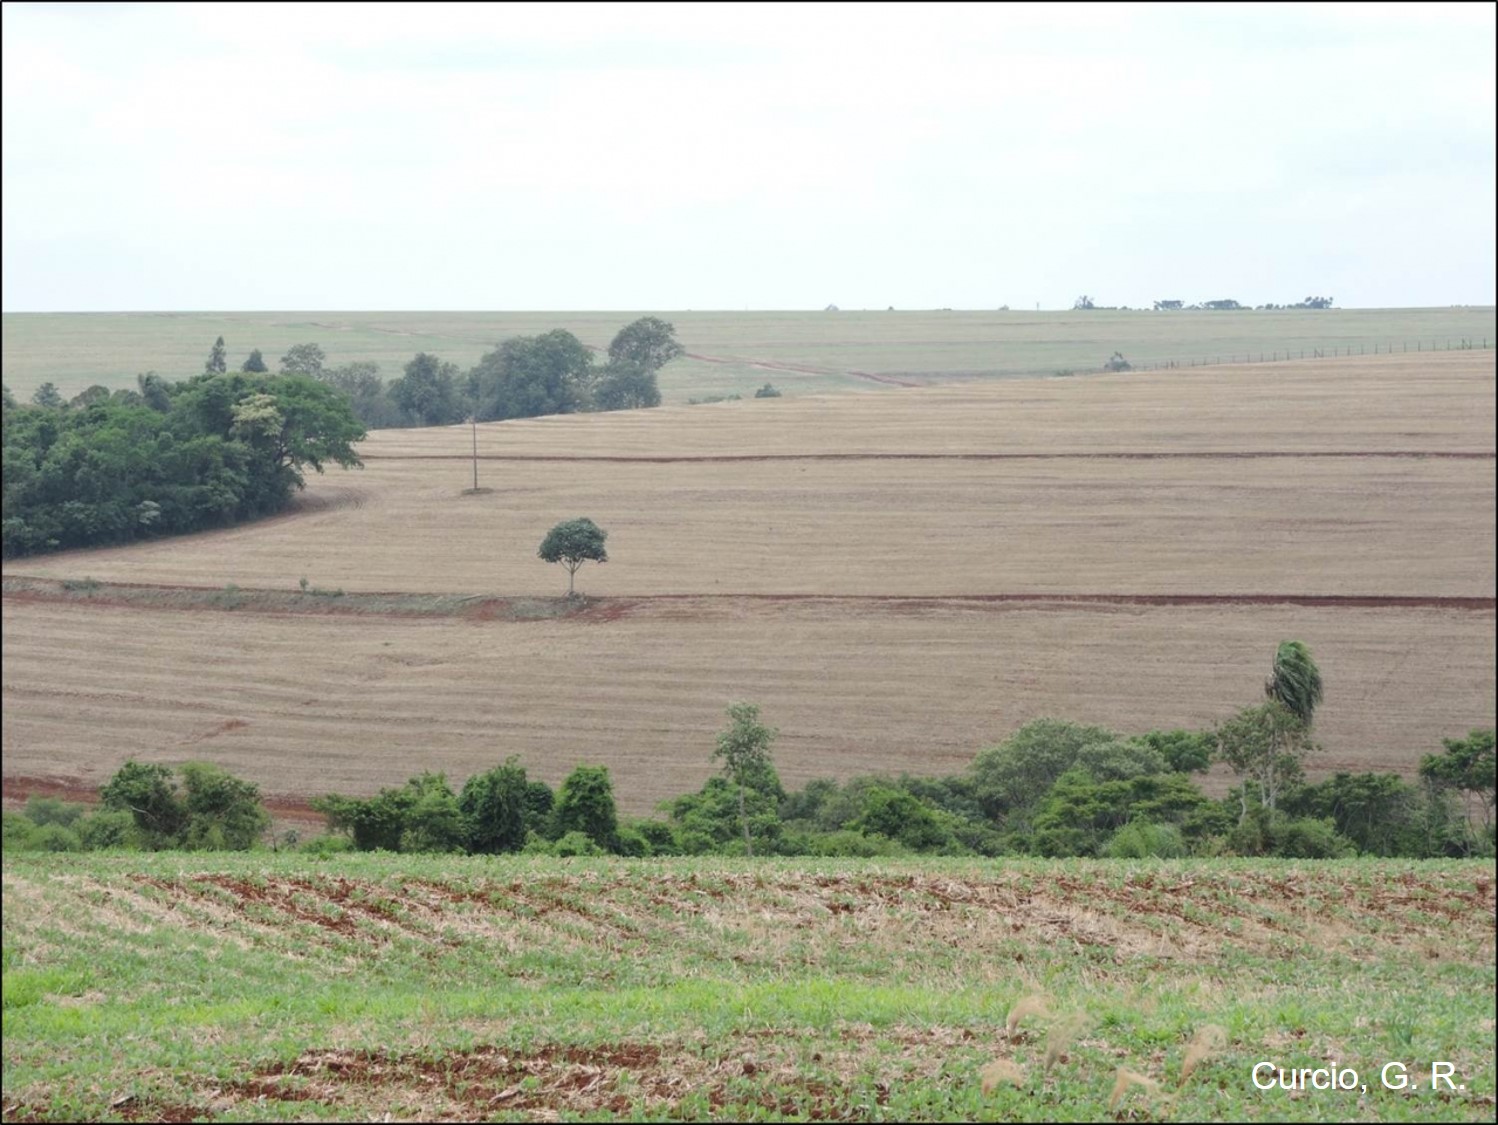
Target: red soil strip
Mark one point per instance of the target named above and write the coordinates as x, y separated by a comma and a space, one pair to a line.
1242, 455
17, 788
612, 609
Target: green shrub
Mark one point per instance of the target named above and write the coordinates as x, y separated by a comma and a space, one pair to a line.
49, 810
575, 843
327, 844
1140, 839
108, 828
631, 842
54, 838
585, 804
1307, 838
18, 831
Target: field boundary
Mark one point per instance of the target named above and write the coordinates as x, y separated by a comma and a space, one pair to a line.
488, 607
1209, 455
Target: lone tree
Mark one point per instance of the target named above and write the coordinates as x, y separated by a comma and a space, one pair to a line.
217, 362
254, 364
745, 750
572, 543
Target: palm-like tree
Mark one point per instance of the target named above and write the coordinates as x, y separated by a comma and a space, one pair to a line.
1296, 681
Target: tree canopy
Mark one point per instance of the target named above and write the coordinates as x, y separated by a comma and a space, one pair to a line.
1295, 681
572, 543
649, 342
179, 457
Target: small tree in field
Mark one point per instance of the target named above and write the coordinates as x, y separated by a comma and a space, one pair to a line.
573, 543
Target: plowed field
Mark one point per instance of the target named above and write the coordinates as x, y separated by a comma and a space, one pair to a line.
845, 562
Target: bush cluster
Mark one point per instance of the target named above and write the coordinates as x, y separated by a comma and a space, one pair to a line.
1053, 788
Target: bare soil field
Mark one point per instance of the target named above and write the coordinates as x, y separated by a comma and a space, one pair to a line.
312, 703
872, 569
918, 512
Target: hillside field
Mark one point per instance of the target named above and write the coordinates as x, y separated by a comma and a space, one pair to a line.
898, 579
728, 352
250, 988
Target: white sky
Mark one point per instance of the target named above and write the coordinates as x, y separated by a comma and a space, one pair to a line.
704, 156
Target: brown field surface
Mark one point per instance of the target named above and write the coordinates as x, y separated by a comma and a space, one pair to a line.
919, 524
309, 703
890, 514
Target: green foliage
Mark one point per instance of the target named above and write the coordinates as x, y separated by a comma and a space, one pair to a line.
1295, 681
1010, 779
303, 359
216, 364
1082, 812
899, 815
155, 391
623, 385
54, 838
767, 391
574, 844
497, 807
212, 811
1184, 751
649, 342
1139, 839
1468, 768
572, 543
92, 396
424, 815
585, 803
16, 831
223, 811
48, 397
108, 829
1379, 812
254, 363
1266, 744
51, 810
428, 392
367, 394
528, 376
227, 447
744, 750
148, 792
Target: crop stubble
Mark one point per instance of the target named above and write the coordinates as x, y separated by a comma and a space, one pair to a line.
855, 686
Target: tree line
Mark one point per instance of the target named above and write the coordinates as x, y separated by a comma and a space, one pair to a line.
523, 377
165, 458
1053, 788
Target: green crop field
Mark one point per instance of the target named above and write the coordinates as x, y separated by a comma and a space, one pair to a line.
262, 987
729, 352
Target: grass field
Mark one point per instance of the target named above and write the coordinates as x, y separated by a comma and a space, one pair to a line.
176, 988
729, 352
887, 575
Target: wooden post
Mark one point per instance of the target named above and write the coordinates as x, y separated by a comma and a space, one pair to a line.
474, 418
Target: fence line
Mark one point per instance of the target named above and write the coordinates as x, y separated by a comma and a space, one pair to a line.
1336, 351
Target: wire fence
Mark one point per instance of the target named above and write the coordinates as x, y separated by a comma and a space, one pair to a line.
1336, 351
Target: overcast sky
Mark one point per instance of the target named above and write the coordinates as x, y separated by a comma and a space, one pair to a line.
724, 157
